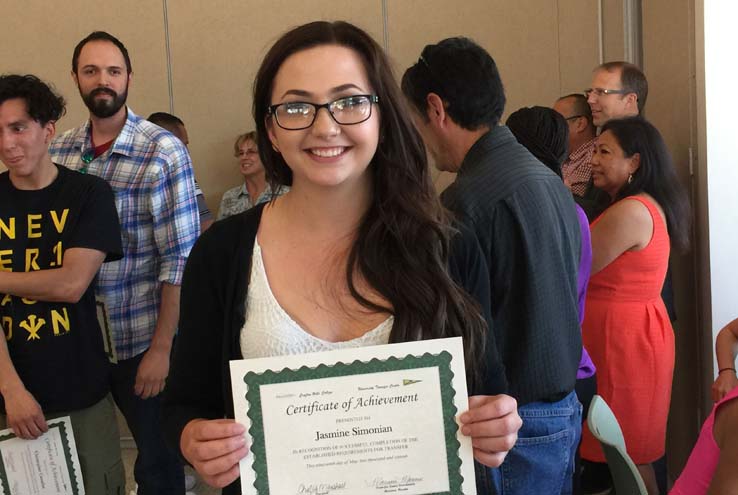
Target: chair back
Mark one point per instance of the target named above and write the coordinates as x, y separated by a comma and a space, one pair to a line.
605, 428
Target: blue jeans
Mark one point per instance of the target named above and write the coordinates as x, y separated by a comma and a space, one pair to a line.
542, 461
157, 470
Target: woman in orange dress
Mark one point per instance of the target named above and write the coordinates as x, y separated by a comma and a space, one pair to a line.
626, 327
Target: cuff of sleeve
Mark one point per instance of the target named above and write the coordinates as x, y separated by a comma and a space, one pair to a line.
171, 270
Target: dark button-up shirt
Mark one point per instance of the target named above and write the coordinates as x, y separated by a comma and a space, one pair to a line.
526, 224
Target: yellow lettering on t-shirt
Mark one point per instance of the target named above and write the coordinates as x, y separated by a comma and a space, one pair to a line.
7, 324
6, 262
7, 228
59, 224
28, 301
31, 259
34, 228
58, 252
32, 325
5, 300
57, 318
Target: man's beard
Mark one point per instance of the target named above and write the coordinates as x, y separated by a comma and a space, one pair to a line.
103, 108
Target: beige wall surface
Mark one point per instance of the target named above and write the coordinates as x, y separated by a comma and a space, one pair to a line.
668, 60
42, 37
544, 49
216, 50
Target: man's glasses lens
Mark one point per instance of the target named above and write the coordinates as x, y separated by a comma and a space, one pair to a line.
345, 111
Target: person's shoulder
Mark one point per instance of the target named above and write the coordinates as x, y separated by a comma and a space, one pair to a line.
631, 208
231, 227
87, 186
232, 192
67, 139
158, 137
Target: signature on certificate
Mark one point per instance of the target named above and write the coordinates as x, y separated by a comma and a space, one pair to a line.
321, 488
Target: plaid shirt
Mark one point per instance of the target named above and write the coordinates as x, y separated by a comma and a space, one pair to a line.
151, 175
577, 169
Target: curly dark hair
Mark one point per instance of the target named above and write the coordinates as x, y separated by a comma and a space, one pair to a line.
656, 174
544, 132
402, 244
43, 104
466, 78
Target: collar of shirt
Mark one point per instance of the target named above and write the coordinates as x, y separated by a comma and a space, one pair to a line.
497, 136
123, 143
243, 192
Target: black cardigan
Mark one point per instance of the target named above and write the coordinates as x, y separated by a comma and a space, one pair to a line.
212, 314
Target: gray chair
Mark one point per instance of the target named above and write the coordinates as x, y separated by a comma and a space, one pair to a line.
605, 428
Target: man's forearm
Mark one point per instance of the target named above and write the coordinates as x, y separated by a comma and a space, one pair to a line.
166, 324
9, 379
65, 284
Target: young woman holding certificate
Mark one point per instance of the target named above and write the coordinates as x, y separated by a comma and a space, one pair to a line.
357, 253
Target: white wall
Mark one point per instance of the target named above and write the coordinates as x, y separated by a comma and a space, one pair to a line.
721, 154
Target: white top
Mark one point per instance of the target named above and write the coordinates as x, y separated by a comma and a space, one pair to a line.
269, 331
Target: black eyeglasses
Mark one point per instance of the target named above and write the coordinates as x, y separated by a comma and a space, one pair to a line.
603, 91
349, 110
573, 117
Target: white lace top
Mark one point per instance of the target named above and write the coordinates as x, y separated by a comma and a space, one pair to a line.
270, 331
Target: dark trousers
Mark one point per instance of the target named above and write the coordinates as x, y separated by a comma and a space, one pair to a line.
157, 470
586, 388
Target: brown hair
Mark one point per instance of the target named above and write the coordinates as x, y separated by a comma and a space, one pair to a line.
402, 244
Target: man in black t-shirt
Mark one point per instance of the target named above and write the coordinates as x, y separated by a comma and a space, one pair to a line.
56, 228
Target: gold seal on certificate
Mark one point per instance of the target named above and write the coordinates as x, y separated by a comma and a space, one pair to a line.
363, 421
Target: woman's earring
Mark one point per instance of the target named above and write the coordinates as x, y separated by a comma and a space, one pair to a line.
630, 178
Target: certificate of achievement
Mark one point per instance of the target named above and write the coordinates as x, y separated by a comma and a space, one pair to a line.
47, 465
360, 421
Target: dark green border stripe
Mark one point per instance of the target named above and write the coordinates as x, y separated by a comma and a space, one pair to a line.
442, 361
67, 456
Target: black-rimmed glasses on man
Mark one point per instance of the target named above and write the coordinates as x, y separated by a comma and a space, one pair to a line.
349, 110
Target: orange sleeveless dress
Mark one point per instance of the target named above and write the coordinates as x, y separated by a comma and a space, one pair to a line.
628, 334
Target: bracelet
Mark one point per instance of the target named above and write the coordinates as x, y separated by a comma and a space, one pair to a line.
726, 369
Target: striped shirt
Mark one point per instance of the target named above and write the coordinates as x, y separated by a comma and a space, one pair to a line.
151, 175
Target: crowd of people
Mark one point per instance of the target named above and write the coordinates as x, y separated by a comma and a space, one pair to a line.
548, 255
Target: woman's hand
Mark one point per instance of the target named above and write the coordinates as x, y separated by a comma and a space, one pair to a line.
724, 383
214, 447
492, 422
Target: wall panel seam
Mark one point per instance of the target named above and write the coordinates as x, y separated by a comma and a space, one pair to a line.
168, 50
385, 26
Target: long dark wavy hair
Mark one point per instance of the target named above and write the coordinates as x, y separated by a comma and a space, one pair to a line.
402, 244
655, 175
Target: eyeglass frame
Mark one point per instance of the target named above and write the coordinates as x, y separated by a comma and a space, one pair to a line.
604, 91
574, 117
271, 110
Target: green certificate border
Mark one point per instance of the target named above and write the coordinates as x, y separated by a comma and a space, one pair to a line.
67, 457
442, 361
